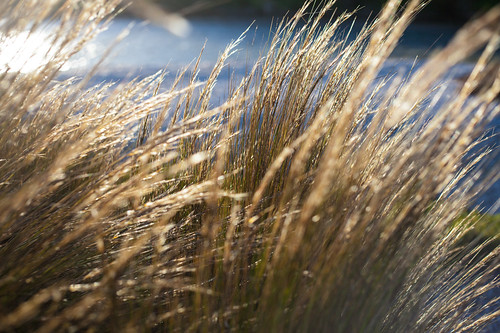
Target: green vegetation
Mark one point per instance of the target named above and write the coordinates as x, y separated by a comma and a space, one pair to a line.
310, 200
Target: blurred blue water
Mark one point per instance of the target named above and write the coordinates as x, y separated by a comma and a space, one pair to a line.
149, 47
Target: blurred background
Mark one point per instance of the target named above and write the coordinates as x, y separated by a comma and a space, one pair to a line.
447, 11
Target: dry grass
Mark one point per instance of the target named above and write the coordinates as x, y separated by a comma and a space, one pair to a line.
311, 200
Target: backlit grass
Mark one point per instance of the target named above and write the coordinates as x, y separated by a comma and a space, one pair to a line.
315, 198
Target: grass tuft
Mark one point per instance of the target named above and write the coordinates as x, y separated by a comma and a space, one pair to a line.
316, 197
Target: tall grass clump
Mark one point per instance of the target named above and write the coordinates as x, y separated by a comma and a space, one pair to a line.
317, 197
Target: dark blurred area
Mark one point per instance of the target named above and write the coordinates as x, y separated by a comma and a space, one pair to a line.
437, 11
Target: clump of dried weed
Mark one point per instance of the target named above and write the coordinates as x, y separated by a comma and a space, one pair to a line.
304, 202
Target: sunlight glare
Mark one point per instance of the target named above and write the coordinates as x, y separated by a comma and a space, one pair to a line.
26, 52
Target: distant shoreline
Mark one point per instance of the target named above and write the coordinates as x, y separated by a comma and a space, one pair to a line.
442, 12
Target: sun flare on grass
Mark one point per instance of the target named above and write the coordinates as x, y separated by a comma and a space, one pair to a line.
25, 52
